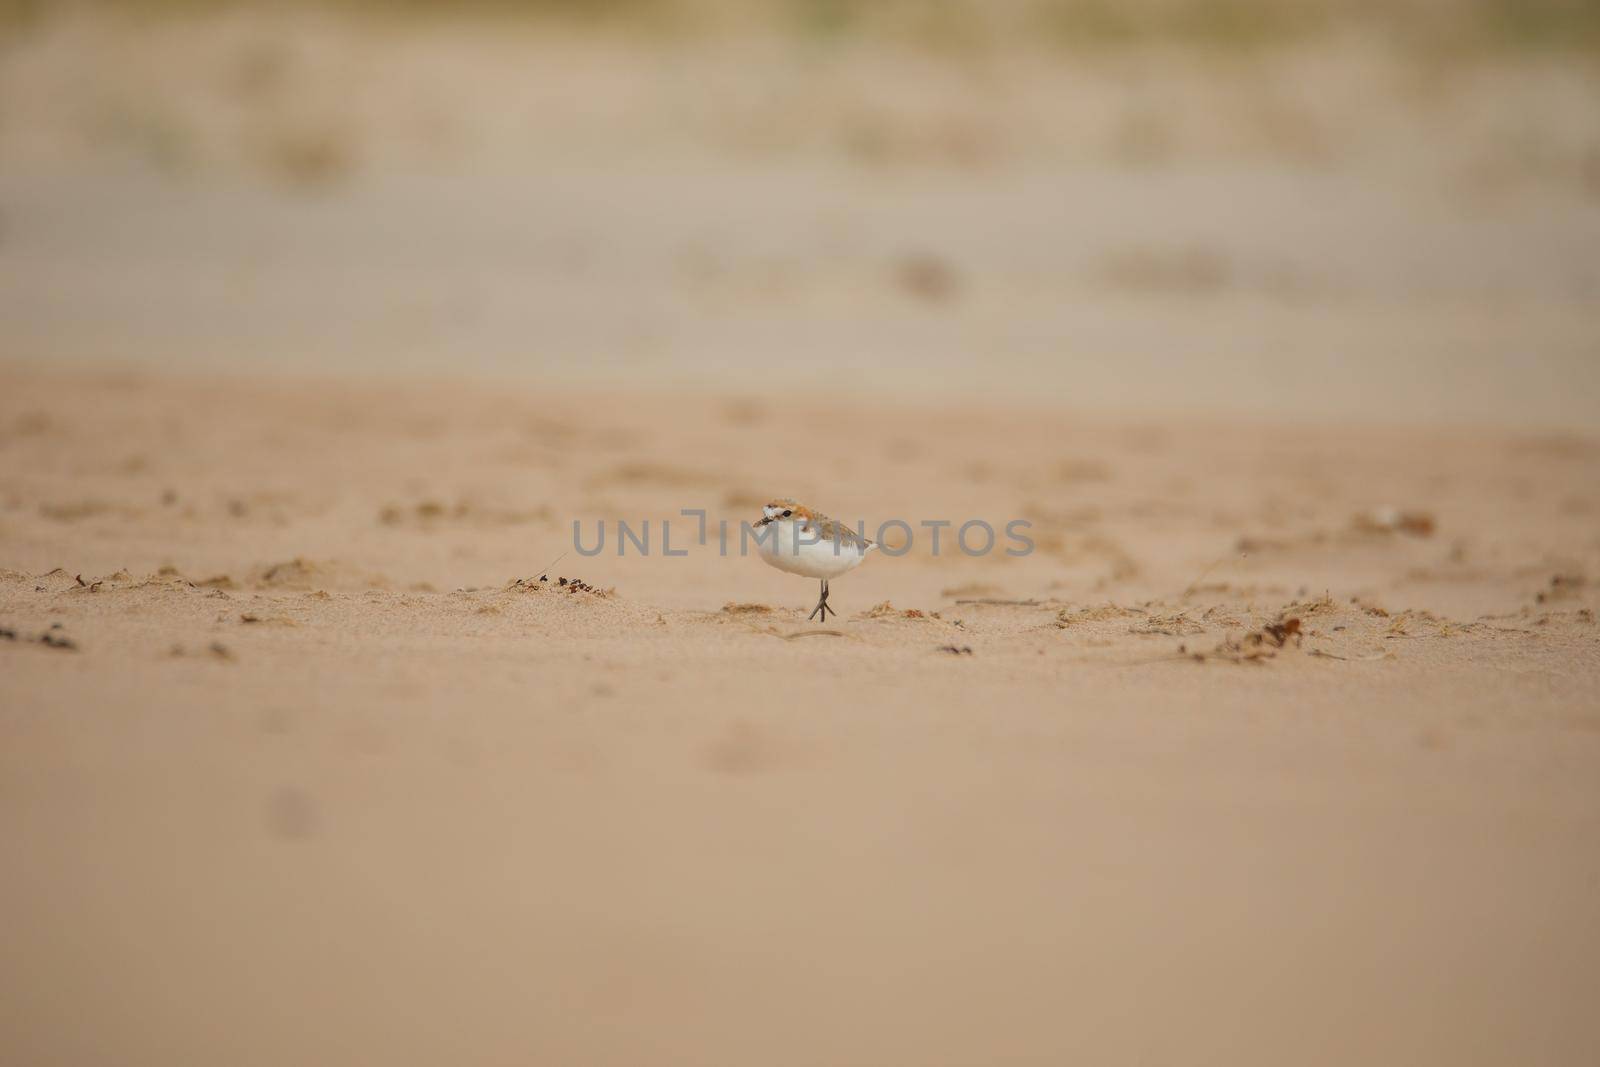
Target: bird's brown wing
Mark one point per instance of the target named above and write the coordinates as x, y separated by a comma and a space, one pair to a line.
829, 529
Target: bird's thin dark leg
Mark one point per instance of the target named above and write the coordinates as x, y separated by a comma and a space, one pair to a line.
822, 605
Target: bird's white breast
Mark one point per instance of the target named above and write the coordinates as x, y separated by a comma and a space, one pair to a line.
787, 548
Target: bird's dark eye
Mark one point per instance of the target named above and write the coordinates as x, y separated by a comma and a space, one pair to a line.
787, 513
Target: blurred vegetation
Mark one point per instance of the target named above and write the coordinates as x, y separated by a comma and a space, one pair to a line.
1427, 25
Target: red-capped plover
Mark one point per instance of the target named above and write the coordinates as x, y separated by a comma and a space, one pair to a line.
799, 540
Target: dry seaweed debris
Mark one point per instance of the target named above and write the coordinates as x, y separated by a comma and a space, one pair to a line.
1322, 605
51, 638
1400, 624
1067, 617
1376, 610
561, 584
1219, 616
735, 608
955, 650
887, 610
1178, 625
1254, 647
94, 584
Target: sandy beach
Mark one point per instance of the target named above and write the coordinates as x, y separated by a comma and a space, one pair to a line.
321, 742
293, 736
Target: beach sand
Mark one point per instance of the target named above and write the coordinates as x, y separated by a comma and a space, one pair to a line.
326, 773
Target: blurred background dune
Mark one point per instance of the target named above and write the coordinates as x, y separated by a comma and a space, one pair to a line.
1284, 208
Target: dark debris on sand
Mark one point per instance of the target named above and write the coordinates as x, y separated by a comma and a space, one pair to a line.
51, 638
561, 584
1254, 647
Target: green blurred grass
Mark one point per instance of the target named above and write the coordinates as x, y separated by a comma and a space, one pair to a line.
1426, 25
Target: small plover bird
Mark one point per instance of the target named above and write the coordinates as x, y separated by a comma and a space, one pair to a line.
796, 539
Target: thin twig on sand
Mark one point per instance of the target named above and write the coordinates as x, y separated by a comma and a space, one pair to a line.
1195, 585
